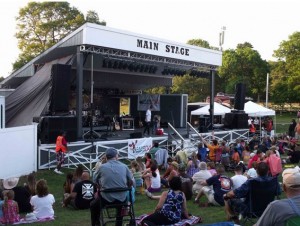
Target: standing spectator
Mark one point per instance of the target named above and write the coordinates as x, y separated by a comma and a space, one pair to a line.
148, 120
10, 208
238, 179
252, 129
220, 183
61, 148
171, 205
279, 211
212, 149
292, 127
82, 194
42, 202
200, 176
122, 178
256, 123
193, 165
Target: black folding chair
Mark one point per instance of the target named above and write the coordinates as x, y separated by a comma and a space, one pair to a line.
261, 194
118, 212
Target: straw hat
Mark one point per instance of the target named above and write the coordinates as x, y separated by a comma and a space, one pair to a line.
10, 183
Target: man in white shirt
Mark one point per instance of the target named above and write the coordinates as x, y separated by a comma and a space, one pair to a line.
148, 120
238, 179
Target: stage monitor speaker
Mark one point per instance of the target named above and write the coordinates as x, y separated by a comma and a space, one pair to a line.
136, 135
235, 120
60, 88
50, 127
239, 99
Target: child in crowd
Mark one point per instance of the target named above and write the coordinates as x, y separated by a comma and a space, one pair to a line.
246, 155
137, 174
235, 157
68, 185
148, 160
10, 208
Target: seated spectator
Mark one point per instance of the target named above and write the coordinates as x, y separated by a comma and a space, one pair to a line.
233, 203
136, 173
174, 172
279, 211
154, 149
10, 208
183, 156
220, 183
186, 181
148, 160
171, 205
169, 169
211, 167
152, 179
293, 156
256, 158
235, 157
82, 194
238, 179
67, 185
202, 175
274, 163
251, 173
246, 155
142, 165
42, 202
193, 165
100, 162
122, 178
22, 194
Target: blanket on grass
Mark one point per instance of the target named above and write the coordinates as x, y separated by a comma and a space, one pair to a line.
24, 221
184, 222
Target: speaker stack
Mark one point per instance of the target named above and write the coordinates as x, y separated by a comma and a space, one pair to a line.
60, 88
237, 119
50, 128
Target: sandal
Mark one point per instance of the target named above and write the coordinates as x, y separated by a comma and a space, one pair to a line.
148, 194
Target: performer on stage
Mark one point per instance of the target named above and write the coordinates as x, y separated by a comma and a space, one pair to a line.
148, 120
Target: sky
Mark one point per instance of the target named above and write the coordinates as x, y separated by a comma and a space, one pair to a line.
263, 23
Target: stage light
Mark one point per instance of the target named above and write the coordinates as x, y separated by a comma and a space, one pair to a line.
146, 68
142, 67
109, 64
121, 64
130, 67
115, 64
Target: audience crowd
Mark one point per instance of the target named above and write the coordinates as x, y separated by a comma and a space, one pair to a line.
200, 176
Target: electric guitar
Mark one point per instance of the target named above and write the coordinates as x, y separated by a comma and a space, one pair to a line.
116, 124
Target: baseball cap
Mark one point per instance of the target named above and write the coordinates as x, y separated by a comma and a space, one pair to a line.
111, 153
291, 177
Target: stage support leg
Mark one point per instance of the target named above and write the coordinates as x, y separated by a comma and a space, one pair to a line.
79, 87
212, 99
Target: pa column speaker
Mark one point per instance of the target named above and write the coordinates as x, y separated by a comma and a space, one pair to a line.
239, 99
60, 88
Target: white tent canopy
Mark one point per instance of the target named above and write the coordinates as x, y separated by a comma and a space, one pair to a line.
256, 110
218, 110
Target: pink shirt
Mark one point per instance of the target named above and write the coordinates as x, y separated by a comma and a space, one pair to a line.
274, 163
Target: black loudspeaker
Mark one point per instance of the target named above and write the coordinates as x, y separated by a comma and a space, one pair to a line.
239, 99
50, 128
235, 120
60, 88
203, 124
136, 135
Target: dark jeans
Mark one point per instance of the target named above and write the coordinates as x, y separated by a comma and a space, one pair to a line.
99, 203
147, 128
157, 218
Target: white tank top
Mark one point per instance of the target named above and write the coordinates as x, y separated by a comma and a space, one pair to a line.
155, 181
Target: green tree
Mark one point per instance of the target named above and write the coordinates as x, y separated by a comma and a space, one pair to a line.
244, 64
287, 69
92, 17
42, 24
1, 79
196, 87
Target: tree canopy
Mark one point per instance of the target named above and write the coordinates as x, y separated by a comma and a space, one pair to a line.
40, 25
244, 64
